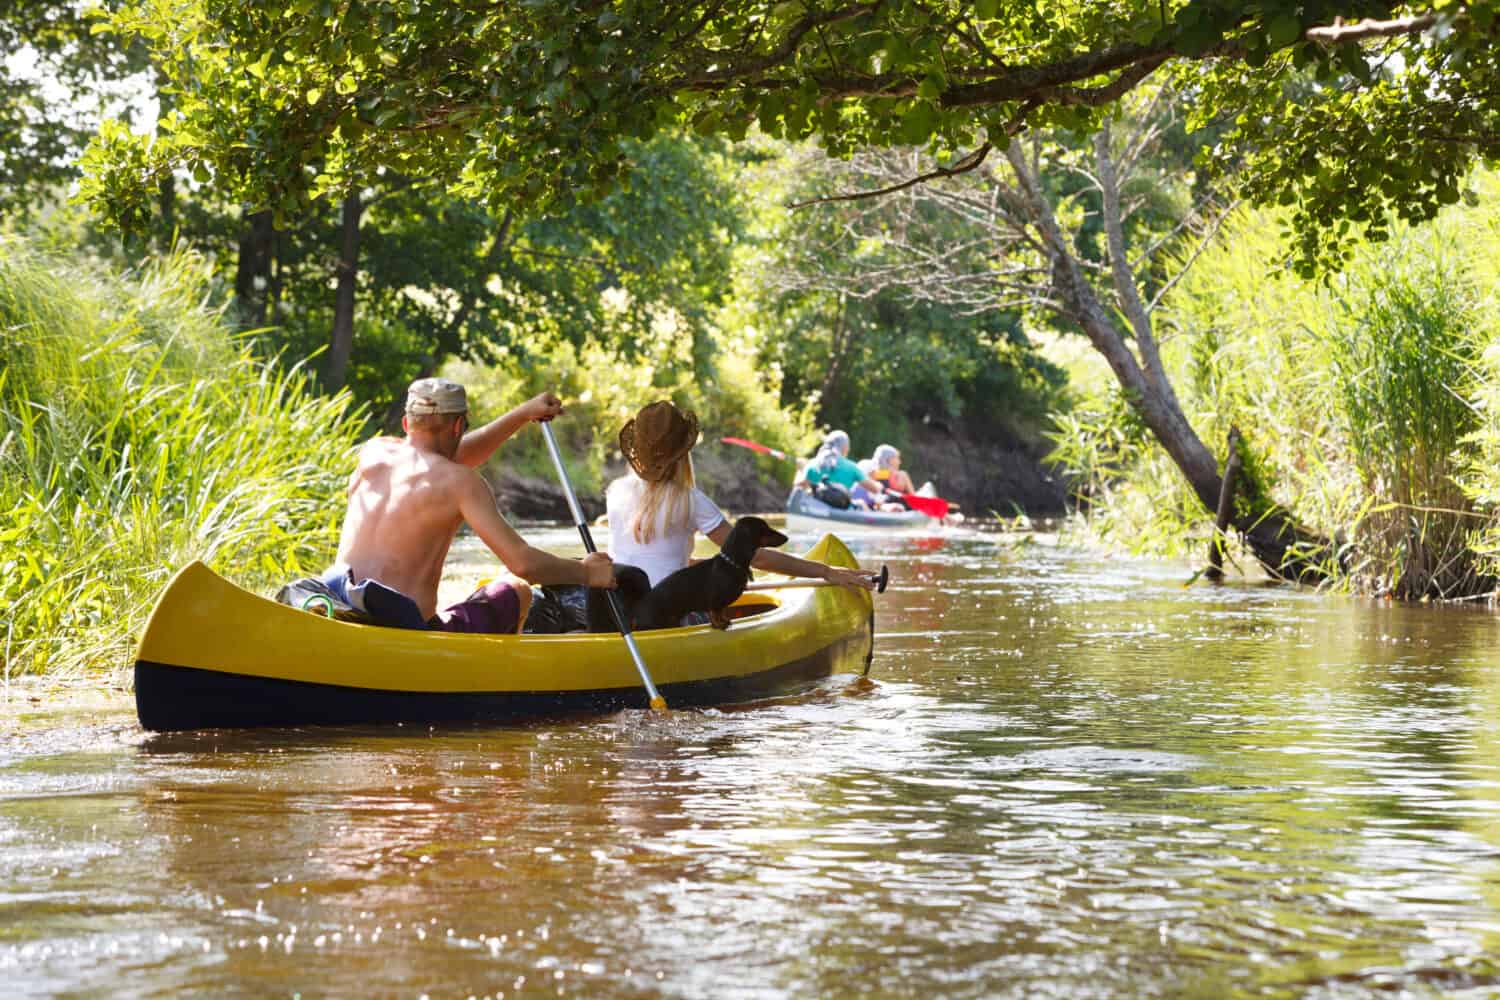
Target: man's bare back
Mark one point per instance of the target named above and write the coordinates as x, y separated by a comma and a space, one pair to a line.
403, 513
408, 497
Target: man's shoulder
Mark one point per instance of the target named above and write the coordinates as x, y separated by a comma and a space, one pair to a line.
381, 445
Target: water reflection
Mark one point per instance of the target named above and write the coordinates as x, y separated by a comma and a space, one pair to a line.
1067, 777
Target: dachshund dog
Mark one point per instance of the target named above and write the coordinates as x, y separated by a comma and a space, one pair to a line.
711, 585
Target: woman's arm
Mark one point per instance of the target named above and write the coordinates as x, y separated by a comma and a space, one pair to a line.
789, 565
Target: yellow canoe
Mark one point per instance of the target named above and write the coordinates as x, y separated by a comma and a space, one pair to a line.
217, 656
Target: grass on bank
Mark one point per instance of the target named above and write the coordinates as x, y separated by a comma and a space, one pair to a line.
137, 434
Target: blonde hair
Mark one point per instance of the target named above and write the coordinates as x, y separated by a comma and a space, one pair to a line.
660, 507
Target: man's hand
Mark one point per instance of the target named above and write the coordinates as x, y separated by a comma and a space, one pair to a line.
851, 578
600, 570
542, 407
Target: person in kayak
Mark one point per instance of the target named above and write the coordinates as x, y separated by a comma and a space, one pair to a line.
656, 511
833, 467
885, 468
407, 499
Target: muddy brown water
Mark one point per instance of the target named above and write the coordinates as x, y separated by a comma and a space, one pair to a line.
1066, 777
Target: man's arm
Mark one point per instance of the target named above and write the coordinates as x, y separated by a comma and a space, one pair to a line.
531, 564
480, 443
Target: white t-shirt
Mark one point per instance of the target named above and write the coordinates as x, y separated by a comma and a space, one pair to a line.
668, 551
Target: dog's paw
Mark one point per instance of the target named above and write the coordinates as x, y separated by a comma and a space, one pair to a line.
719, 619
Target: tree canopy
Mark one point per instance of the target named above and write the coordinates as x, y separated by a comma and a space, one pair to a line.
1352, 108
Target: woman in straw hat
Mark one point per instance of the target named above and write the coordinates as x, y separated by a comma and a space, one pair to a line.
655, 511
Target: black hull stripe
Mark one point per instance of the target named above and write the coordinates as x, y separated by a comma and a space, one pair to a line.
171, 698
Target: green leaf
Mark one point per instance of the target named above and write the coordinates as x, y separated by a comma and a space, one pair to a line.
918, 122
1283, 30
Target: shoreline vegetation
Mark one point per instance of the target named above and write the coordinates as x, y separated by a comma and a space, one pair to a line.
1369, 400
140, 433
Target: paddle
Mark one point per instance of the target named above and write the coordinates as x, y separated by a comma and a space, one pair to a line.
881, 579
658, 703
931, 506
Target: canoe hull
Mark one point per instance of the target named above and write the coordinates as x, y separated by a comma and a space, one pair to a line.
172, 698
216, 656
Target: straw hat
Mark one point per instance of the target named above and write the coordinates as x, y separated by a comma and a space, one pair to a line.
656, 438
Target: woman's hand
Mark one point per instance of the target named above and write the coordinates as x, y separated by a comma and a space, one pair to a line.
852, 578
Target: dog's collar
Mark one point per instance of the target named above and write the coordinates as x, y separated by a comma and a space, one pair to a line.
743, 569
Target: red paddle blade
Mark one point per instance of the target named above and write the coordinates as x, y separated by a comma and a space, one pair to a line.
931, 506
754, 447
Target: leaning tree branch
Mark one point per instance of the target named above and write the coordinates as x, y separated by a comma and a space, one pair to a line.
1208, 237
1333, 34
964, 165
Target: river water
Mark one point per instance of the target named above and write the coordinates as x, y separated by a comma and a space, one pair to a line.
1067, 776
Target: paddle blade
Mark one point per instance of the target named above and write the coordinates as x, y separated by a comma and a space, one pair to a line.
753, 446
931, 506
659, 704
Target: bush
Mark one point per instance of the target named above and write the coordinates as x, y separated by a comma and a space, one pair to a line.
139, 434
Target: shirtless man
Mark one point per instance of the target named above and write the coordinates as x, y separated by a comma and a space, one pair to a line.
407, 499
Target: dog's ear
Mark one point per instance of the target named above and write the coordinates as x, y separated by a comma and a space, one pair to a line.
770, 537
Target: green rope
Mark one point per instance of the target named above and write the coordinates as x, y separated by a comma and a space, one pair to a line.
315, 599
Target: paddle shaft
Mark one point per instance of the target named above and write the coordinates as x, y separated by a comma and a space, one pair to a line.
657, 701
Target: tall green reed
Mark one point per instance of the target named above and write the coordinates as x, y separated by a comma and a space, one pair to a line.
1400, 344
137, 434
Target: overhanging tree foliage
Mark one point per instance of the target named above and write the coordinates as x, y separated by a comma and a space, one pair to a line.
285, 100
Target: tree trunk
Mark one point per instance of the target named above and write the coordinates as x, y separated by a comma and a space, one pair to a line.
1279, 543
839, 339
341, 343
252, 274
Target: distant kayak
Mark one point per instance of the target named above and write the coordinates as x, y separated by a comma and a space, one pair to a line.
801, 503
